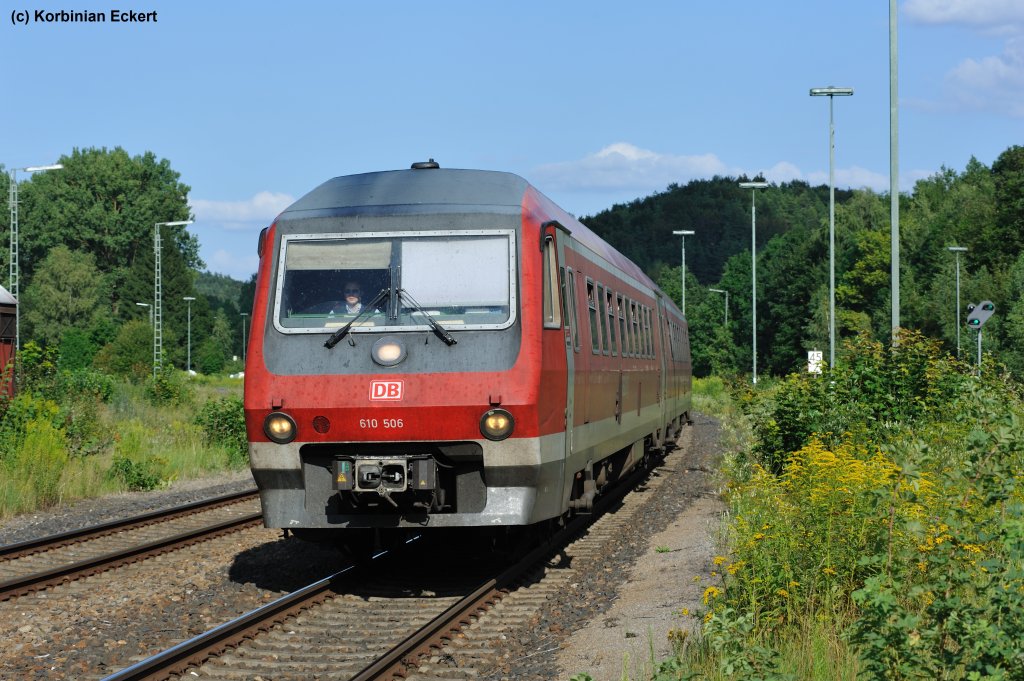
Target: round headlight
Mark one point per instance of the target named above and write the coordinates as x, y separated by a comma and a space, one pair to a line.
388, 351
497, 424
279, 427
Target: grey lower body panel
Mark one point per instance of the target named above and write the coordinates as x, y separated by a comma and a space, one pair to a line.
518, 484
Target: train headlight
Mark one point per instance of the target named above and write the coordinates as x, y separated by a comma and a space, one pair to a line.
497, 424
388, 351
279, 427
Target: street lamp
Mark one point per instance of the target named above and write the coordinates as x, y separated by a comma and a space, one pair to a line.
12, 200
158, 312
188, 365
957, 250
244, 315
684, 233
147, 305
831, 92
753, 187
718, 290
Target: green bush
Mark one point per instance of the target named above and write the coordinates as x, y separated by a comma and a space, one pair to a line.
223, 423
873, 392
21, 410
76, 350
130, 354
136, 474
169, 386
133, 465
211, 357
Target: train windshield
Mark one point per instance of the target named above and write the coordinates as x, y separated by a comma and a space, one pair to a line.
392, 281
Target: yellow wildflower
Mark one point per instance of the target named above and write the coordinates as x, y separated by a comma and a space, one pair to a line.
711, 593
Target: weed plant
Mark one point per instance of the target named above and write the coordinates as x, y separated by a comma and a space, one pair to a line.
875, 527
71, 434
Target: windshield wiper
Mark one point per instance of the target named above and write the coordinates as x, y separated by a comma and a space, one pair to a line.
343, 331
441, 332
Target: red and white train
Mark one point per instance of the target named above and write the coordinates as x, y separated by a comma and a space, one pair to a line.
502, 365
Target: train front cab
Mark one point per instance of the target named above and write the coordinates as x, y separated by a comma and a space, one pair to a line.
431, 439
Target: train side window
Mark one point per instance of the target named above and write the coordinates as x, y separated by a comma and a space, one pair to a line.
634, 326
609, 297
571, 313
604, 320
592, 305
552, 312
649, 332
645, 332
623, 340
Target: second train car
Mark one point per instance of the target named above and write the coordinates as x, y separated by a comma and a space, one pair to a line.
448, 348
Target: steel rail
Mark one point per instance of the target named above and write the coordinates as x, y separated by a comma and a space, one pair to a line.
194, 651
40, 580
31, 546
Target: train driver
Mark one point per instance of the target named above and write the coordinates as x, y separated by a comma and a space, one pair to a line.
353, 298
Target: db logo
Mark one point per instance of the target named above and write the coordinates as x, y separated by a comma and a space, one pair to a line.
386, 390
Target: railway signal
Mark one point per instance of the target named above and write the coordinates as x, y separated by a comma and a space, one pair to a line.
977, 315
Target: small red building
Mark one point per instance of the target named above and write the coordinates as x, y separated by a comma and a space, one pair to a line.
8, 312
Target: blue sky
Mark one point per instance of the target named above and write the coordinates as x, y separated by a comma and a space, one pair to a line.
255, 103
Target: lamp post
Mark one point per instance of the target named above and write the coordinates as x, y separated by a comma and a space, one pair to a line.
12, 199
158, 313
244, 315
188, 365
831, 93
726, 317
150, 307
684, 233
957, 250
753, 187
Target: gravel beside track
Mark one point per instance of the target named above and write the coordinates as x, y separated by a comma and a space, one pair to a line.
95, 626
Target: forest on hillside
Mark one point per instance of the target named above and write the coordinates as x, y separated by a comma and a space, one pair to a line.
86, 260
980, 208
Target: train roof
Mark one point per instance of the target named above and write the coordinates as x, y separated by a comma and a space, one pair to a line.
435, 187
440, 187
6, 298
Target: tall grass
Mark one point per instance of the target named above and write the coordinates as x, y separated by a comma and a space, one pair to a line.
55, 450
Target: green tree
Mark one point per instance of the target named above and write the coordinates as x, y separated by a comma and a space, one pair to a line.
1007, 233
66, 292
106, 203
130, 354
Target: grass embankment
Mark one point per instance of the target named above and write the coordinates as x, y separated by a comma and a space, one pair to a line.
75, 435
875, 526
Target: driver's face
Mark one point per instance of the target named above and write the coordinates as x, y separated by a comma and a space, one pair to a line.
352, 294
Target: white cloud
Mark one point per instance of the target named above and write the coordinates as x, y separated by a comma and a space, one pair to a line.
783, 171
625, 167
233, 264
984, 13
992, 83
262, 207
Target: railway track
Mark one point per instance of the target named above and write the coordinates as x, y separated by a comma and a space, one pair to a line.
30, 566
375, 621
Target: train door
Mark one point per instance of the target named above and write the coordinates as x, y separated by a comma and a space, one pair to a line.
559, 309
565, 317
663, 368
